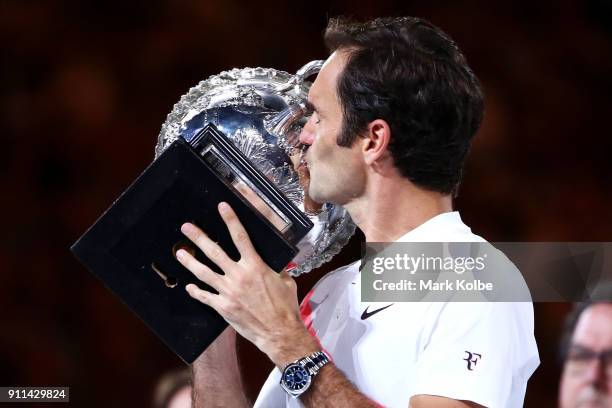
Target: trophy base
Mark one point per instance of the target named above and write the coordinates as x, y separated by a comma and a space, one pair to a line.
132, 246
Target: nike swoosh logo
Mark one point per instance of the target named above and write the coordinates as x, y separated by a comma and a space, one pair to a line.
367, 314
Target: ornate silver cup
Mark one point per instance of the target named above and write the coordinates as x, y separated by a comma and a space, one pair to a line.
262, 111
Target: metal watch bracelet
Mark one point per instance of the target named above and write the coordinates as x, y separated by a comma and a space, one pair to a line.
314, 362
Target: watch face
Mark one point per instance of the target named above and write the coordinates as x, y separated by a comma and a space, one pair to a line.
296, 378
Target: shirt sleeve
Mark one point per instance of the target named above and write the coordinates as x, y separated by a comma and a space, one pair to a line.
271, 394
479, 352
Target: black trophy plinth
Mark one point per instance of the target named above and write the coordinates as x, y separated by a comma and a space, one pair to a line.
132, 246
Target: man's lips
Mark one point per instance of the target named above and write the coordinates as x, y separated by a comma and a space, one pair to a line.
304, 169
303, 161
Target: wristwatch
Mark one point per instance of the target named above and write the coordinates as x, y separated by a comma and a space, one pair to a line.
297, 376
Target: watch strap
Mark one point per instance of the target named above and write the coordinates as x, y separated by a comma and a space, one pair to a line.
314, 362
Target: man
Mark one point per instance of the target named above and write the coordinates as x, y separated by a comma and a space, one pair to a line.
394, 110
587, 350
173, 390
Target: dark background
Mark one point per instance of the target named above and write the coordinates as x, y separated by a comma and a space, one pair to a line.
85, 87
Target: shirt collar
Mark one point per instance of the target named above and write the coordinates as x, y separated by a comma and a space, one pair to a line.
436, 229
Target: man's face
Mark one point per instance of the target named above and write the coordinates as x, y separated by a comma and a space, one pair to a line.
587, 374
337, 174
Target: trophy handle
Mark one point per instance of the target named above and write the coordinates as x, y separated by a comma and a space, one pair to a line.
296, 81
281, 125
309, 69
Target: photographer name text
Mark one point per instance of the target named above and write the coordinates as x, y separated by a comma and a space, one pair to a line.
459, 285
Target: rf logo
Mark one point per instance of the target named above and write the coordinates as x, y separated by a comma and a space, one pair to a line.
472, 359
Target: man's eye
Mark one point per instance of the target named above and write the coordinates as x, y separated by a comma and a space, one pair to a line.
581, 355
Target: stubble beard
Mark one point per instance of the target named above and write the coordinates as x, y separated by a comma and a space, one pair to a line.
591, 397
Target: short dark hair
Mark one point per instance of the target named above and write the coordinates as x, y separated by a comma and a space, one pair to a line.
411, 74
601, 294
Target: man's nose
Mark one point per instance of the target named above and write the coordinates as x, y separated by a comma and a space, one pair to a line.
596, 374
307, 134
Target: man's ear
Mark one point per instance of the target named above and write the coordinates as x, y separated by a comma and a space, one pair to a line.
375, 143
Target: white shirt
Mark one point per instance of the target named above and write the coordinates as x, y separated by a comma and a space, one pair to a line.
477, 351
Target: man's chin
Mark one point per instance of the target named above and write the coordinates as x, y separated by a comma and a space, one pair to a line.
312, 204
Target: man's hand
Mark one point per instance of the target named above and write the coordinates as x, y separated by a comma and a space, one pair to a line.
260, 304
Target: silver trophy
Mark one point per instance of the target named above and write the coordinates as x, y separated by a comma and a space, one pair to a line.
262, 111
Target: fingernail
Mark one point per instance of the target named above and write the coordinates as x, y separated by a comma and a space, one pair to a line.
223, 207
187, 228
180, 254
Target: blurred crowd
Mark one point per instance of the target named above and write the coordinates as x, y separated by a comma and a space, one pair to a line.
85, 87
